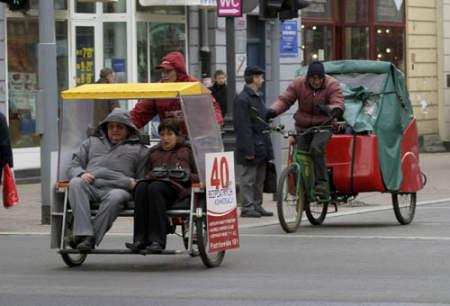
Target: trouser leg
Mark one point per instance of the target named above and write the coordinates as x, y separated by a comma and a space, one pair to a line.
81, 194
260, 176
162, 197
247, 187
110, 207
141, 213
317, 149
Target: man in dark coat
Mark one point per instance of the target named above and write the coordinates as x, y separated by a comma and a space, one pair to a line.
219, 90
6, 156
253, 144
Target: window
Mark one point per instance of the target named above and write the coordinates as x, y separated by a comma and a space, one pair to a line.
116, 7
318, 9
389, 10
85, 7
389, 43
356, 43
115, 49
318, 43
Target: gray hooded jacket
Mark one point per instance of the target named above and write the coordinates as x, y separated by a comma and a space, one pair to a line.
112, 165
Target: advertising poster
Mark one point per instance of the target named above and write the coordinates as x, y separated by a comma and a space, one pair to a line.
222, 220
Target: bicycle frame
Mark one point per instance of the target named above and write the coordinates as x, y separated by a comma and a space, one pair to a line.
305, 174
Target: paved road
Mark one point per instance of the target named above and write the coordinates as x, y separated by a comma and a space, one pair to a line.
364, 259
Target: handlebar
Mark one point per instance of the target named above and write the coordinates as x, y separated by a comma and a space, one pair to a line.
312, 130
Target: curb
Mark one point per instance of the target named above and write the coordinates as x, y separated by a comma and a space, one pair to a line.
261, 224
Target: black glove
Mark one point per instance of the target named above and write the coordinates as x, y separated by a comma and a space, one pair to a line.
270, 114
336, 112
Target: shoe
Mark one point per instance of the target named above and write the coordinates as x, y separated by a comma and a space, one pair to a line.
321, 190
155, 247
87, 244
250, 213
72, 241
136, 246
263, 212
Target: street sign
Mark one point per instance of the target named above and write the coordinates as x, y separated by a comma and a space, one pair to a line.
229, 8
289, 39
222, 221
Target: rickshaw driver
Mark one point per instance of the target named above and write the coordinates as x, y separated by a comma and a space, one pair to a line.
173, 69
319, 96
104, 170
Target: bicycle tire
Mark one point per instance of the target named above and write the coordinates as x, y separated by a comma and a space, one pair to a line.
289, 209
404, 214
316, 216
74, 260
210, 260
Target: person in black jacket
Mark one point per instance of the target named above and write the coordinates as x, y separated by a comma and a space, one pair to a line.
6, 156
253, 144
219, 90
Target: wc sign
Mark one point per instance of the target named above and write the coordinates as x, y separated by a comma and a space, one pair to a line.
229, 8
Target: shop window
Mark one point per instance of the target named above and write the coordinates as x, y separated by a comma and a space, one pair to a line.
318, 9
317, 43
85, 55
85, 7
357, 43
356, 11
389, 42
389, 10
22, 81
115, 49
115, 7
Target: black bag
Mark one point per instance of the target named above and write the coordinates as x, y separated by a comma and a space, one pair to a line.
270, 182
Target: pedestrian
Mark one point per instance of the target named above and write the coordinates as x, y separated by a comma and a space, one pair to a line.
319, 98
173, 69
219, 90
104, 170
6, 156
102, 109
253, 144
170, 170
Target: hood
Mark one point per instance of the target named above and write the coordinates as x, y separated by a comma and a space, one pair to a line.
176, 60
121, 116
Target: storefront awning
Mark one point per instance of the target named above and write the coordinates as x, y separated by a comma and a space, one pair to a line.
203, 3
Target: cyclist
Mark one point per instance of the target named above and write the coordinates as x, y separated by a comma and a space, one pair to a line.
319, 97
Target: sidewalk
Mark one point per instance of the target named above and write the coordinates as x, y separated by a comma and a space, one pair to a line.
26, 217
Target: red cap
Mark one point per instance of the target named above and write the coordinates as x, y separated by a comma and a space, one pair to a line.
165, 64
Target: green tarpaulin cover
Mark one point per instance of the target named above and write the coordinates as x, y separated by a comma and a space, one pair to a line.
377, 102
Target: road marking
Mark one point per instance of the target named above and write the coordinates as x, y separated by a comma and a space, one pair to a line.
291, 236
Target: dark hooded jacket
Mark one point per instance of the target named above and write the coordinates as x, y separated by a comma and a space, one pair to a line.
180, 157
145, 110
113, 165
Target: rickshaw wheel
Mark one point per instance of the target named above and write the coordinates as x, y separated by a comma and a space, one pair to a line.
316, 212
209, 259
404, 206
74, 260
289, 201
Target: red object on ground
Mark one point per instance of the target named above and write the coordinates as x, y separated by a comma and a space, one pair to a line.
10, 196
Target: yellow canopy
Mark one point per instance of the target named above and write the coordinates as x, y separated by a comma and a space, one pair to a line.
134, 91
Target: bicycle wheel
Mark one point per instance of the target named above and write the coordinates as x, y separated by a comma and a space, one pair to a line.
404, 206
74, 260
316, 211
289, 201
209, 259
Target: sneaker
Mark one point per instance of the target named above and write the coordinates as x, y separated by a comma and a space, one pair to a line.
250, 213
263, 212
155, 247
87, 244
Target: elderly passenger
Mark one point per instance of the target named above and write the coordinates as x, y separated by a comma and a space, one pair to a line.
104, 170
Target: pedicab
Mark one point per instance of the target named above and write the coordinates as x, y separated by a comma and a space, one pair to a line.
188, 218
379, 152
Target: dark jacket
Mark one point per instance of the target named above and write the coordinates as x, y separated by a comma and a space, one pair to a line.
252, 136
6, 156
145, 110
180, 157
219, 92
308, 99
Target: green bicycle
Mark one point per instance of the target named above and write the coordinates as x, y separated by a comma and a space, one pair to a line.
295, 190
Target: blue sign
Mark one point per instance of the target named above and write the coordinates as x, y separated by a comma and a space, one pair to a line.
118, 65
289, 39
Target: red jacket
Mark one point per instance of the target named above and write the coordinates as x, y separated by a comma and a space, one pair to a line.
145, 110
307, 114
